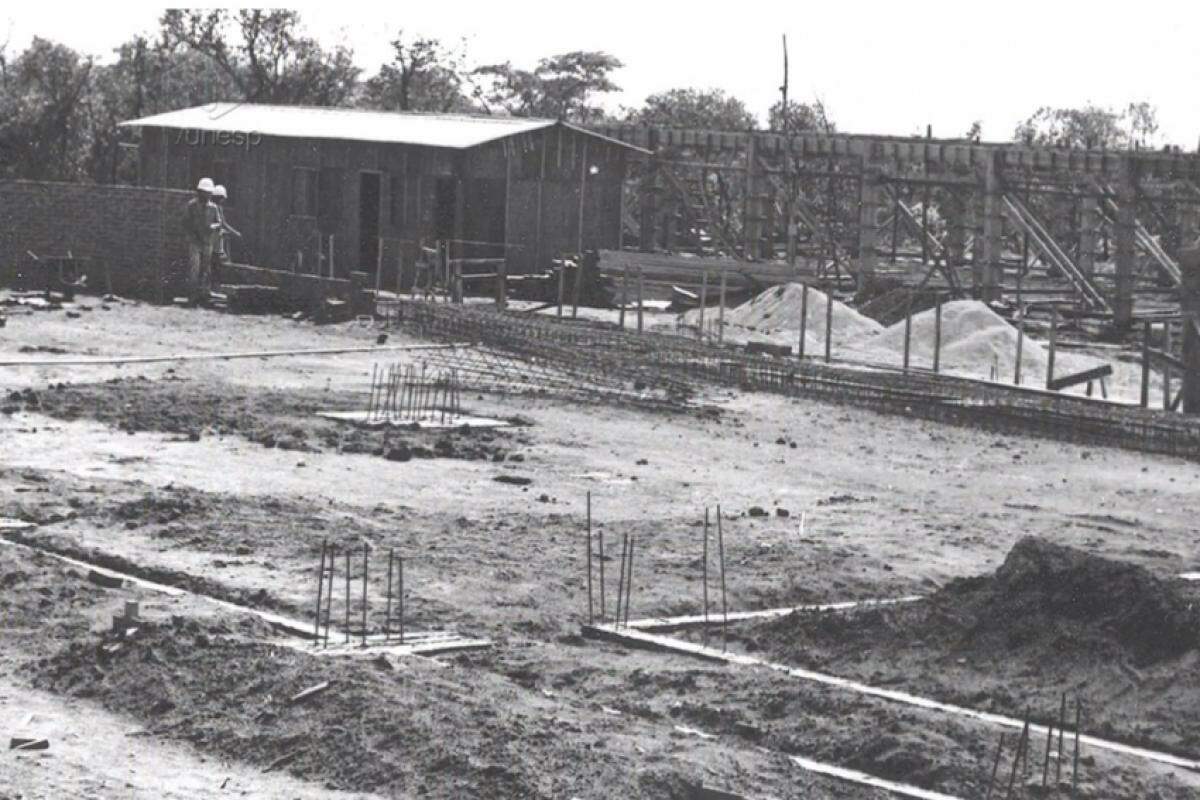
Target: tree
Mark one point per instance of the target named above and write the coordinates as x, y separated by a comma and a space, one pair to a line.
694, 108
799, 117
265, 55
975, 132
423, 75
560, 87
43, 130
1090, 126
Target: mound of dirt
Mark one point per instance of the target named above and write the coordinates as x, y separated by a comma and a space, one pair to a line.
1045, 594
778, 309
1045, 604
407, 730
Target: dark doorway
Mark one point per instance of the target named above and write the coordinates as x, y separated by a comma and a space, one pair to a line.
445, 207
368, 220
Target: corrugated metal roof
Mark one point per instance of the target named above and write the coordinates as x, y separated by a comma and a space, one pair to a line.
458, 131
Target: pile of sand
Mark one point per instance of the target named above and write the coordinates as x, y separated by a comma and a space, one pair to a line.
975, 340
774, 315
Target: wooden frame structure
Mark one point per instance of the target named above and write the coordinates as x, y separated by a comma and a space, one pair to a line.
978, 215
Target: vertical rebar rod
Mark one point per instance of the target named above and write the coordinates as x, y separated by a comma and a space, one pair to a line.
1012, 775
621, 579
724, 605
1075, 760
1062, 721
347, 595
1046, 758
329, 593
1020, 345
1051, 345
907, 333
803, 320
587, 550
366, 570
937, 335
400, 580
828, 326
603, 607
371, 396
995, 767
1166, 367
387, 611
704, 574
320, 588
629, 579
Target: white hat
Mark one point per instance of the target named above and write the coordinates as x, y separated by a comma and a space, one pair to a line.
205, 185
219, 191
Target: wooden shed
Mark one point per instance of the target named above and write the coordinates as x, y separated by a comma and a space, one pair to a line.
324, 190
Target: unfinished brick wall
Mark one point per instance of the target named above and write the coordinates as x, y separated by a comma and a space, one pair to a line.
132, 235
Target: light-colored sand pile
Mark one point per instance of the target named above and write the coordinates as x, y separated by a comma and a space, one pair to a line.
975, 341
775, 316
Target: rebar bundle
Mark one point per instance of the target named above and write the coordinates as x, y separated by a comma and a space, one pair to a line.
404, 394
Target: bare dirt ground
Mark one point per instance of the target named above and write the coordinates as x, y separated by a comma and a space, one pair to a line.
216, 477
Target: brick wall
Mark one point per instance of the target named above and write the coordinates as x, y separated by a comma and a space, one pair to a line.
134, 234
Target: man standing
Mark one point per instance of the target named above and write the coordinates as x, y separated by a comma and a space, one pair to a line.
200, 225
221, 255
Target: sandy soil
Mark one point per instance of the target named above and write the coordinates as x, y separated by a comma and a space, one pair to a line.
876, 506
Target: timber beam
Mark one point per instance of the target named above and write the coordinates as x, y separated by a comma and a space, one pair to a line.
915, 149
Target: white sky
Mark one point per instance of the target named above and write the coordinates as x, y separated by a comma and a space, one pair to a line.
880, 67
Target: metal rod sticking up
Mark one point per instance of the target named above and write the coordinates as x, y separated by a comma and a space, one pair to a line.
704, 575
724, 605
320, 591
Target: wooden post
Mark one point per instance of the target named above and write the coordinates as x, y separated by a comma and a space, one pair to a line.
1145, 399
379, 269
937, 335
987, 271
703, 299
828, 325
803, 320
502, 282
399, 269
624, 292
562, 276
869, 191
1088, 221
721, 311
641, 289
331, 270
1051, 345
1166, 388
749, 226
1126, 253
577, 281
1020, 344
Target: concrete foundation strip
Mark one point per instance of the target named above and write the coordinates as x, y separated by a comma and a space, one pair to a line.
862, 778
326, 351
422, 643
654, 641
695, 620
